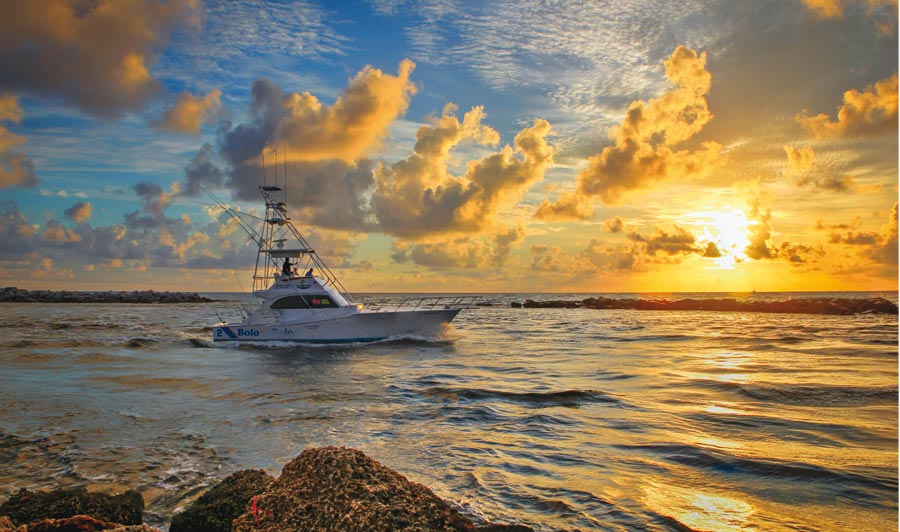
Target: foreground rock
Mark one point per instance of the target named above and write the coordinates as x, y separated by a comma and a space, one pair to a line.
325, 489
820, 305
216, 509
78, 523
57, 510
18, 295
342, 489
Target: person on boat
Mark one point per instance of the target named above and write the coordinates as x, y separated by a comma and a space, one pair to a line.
309, 273
286, 267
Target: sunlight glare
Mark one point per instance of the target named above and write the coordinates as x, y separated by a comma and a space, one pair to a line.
728, 229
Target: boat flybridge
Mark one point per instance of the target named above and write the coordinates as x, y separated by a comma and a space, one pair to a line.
298, 298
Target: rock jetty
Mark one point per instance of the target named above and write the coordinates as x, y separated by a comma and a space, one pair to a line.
11, 294
322, 490
812, 305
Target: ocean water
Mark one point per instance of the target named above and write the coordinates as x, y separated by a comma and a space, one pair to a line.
558, 419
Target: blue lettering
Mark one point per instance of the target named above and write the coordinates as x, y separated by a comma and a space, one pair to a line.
218, 332
247, 332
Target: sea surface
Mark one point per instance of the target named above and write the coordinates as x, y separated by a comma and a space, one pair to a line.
558, 419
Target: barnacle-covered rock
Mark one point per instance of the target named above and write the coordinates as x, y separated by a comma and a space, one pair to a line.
342, 489
27, 506
216, 509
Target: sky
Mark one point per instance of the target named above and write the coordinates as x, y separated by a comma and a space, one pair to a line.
450, 146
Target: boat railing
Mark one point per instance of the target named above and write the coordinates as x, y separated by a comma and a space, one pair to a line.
421, 303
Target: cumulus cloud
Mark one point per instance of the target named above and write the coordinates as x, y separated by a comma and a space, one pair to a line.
80, 211
673, 241
417, 196
320, 148
759, 233
15, 168
869, 112
879, 247
643, 143
93, 55
354, 124
464, 252
190, 112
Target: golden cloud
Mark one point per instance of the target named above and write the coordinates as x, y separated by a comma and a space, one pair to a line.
80, 212
93, 55
643, 151
417, 196
872, 111
800, 160
354, 125
190, 112
15, 168
9, 108
826, 8
464, 252
879, 247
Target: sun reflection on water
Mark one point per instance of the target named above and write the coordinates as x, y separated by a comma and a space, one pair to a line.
699, 510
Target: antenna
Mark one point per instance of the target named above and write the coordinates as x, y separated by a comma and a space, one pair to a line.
262, 156
284, 155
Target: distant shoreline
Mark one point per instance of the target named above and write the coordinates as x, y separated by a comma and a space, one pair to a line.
11, 294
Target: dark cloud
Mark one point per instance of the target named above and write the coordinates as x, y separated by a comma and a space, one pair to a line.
673, 241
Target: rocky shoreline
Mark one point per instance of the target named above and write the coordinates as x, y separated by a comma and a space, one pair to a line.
817, 305
11, 294
322, 489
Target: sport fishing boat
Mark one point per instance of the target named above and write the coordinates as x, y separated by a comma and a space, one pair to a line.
313, 306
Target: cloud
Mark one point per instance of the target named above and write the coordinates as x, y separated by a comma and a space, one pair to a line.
80, 211
759, 233
320, 148
643, 143
190, 112
56, 232
879, 247
831, 183
15, 168
673, 241
417, 196
464, 252
93, 55
353, 126
870, 112
883, 12
800, 160
826, 8
614, 225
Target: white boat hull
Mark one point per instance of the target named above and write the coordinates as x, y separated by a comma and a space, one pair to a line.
357, 327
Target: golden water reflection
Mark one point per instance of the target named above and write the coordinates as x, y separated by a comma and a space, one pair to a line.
698, 510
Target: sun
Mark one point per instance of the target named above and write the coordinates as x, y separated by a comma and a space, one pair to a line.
728, 230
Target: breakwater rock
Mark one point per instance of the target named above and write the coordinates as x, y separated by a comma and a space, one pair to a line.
813, 305
322, 490
20, 295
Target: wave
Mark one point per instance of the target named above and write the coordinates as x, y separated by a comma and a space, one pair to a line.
811, 394
722, 462
569, 398
138, 343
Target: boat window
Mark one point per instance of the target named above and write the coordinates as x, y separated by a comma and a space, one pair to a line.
310, 301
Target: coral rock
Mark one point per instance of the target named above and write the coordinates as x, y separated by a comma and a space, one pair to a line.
30, 506
216, 509
342, 489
